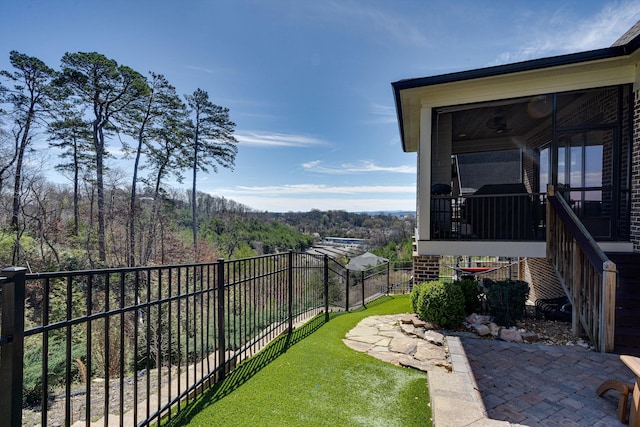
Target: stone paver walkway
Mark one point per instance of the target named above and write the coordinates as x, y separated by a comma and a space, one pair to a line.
483, 382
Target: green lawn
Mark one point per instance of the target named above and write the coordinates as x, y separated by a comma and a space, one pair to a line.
311, 378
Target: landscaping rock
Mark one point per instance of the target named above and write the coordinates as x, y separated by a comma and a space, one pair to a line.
511, 335
403, 345
583, 344
477, 319
427, 352
406, 319
399, 341
414, 320
434, 337
529, 336
495, 329
419, 332
408, 328
419, 323
481, 329
527, 330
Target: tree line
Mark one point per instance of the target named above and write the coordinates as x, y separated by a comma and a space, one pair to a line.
87, 108
378, 230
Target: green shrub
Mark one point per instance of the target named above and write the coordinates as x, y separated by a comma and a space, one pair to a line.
32, 382
415, 294
471, 292
506, 300
441, 303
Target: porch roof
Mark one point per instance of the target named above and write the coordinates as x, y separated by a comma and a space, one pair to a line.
406, 92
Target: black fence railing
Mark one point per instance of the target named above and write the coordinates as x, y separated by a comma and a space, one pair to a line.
132, 346
603, 212
480, 268
400, 277
489, 217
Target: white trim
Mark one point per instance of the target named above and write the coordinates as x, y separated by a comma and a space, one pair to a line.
423, 185
616, 246
482, 248
501, 248
585, 75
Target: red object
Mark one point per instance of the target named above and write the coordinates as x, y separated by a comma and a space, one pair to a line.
475, 269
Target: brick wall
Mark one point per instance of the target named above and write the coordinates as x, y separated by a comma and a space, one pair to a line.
625, 162
542, 279
426, 268
635, 176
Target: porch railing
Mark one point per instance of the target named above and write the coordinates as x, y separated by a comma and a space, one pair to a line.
588, 276
131, 345
489, 217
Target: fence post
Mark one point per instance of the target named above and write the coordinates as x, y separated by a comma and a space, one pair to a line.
326, 287
608, 309
388, 278
12, 352
550, 226
222, 360
362, 280
577, 299
290, 285
347, 293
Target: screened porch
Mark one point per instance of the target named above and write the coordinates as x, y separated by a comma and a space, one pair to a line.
491, 163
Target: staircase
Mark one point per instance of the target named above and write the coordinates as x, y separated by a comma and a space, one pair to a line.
627, 327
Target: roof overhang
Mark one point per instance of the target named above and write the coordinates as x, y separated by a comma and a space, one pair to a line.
596, 68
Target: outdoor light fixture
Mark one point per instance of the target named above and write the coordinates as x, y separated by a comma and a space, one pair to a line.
499, 124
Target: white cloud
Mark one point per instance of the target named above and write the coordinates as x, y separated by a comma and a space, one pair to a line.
313, 190
274, 139
383, 114
290, 204
305, 197
560, 33
381, 24
364, 166
206, 70
203, 69
395, 26
613, 21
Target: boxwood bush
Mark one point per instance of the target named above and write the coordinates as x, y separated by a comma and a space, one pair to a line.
415, 294
471, 291
506, 300
440, 303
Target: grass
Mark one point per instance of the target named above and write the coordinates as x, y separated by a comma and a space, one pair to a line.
310, 377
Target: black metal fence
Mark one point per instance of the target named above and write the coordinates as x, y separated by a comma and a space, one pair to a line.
133, 345
400, 277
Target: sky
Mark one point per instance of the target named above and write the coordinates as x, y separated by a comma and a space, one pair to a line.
308, 82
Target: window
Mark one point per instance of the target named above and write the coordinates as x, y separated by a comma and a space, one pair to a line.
543, 163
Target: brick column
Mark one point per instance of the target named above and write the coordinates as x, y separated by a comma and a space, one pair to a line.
426, 268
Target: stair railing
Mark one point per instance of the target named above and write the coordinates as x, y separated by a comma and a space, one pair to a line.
588, 276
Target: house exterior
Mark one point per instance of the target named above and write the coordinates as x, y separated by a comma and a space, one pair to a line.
489, 142
365, 261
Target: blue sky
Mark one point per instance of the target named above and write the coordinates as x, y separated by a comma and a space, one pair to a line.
308, 83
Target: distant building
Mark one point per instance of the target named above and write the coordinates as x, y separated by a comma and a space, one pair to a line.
344, 241
365, 261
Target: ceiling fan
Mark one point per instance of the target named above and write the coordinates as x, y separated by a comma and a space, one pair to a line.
499, 124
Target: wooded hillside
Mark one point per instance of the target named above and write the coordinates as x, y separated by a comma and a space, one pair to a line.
90, 107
